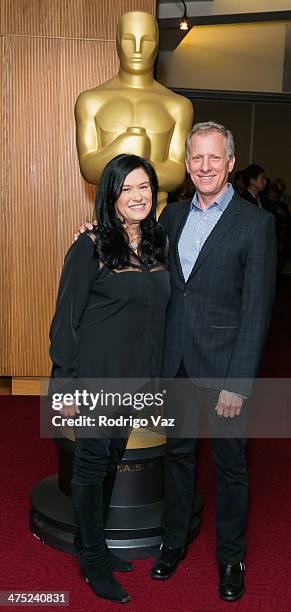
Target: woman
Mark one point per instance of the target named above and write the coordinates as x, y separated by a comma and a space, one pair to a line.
109, 323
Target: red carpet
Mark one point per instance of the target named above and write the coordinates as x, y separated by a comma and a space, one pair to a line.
27, 564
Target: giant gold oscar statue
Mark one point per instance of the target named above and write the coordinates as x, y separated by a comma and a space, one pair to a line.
133, 113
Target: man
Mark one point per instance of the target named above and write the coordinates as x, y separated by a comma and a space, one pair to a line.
222, 260
223, 267
133, 113
255, 182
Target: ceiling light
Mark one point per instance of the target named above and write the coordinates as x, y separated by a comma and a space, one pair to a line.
184, 24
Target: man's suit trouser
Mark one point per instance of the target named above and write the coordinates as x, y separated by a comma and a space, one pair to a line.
229, 456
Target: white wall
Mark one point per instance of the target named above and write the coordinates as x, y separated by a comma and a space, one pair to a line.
239, 57
222, 7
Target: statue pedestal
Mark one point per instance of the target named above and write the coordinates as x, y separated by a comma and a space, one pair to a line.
133, 527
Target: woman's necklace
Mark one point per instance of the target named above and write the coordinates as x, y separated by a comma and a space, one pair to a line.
134, 242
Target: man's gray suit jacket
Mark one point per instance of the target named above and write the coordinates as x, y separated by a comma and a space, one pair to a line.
217, 321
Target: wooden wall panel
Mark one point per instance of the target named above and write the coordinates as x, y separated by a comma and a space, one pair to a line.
34, 150
3, 277
5, 190
94, 19
43, 196
31, 17
1, 19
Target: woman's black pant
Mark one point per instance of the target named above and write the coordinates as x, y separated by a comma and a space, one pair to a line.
95, 458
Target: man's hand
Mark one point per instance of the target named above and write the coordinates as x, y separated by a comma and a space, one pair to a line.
229, 404
69, 411
86, 226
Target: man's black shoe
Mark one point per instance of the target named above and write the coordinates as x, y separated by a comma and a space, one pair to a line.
231, 582
167, 561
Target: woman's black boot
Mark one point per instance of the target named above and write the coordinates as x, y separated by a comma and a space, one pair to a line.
94, 562
116, 563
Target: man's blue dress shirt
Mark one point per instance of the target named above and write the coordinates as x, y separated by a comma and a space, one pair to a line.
197, 228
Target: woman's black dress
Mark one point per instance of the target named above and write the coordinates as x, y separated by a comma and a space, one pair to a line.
108, 324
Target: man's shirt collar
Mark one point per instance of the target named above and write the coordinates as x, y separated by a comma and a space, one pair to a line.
222, 202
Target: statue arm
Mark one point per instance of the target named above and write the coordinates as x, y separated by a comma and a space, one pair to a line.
171, 173
92, 156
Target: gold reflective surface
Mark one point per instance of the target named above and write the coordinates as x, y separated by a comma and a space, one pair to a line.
133, 113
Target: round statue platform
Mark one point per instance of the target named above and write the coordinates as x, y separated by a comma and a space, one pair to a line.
133, 527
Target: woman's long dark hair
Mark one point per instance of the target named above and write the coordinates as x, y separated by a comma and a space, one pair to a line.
112, 243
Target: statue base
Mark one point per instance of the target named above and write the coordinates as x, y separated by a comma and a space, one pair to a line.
133, 527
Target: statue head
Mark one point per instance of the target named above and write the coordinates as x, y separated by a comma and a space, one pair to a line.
137, 40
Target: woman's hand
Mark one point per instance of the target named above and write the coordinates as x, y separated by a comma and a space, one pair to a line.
86, 226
